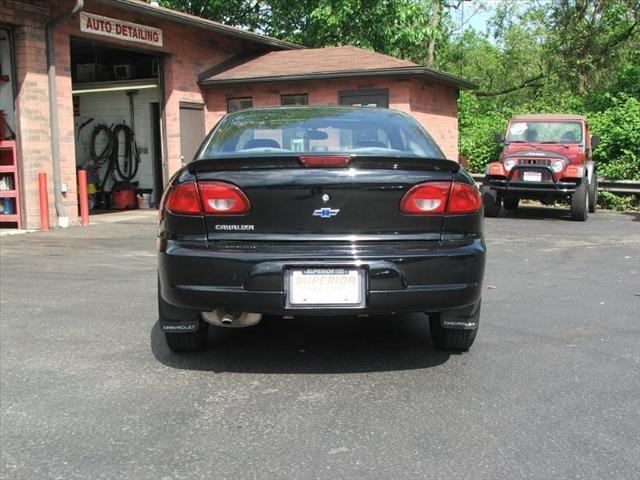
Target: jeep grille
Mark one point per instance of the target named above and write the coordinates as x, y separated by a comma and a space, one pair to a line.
534, 161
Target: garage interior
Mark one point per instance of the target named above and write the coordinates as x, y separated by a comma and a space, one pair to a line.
9, 177
117, 125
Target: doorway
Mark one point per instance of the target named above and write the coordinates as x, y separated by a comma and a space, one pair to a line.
192, 130
117, 113
158, 167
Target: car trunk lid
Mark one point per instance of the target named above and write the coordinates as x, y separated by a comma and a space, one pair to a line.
290, 201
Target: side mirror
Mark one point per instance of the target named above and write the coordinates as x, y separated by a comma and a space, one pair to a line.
595, 140
498, 138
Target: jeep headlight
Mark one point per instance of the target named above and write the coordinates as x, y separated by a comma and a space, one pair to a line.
509, 164
557, 166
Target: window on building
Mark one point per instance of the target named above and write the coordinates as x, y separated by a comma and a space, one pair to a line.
298, 99
235, 104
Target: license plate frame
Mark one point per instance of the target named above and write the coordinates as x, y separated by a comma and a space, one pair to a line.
528, 176
331, 287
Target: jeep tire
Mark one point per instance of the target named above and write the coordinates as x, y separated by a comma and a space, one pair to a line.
580, 202
511, 203
492, 202
593, 193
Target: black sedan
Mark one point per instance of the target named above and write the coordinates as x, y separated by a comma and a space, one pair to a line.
319, 210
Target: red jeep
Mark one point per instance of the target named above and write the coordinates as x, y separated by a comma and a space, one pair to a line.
546, 157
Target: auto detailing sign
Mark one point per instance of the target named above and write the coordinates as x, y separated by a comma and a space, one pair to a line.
111, 27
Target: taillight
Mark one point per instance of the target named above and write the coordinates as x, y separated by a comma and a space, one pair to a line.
426, 198
441, 197
325, 160
465, 198
183, 199
217, 198
222, 198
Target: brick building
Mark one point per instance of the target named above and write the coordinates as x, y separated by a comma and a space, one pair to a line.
171, 77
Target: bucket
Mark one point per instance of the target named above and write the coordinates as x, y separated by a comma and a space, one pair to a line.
103, 200
123, 199
144, 200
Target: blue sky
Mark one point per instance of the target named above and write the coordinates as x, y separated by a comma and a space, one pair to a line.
476, 13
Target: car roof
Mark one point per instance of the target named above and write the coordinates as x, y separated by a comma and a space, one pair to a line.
549, 117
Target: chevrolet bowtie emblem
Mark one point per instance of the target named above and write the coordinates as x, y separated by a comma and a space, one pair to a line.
326, 212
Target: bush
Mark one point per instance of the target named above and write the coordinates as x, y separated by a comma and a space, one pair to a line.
621, 203
477, 132
618, 154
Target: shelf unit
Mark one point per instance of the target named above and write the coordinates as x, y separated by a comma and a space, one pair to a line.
9, 169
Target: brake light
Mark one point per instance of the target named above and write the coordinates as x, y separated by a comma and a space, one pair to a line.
222, 198
218, 198
465, 198
183, 199
325, 160
441, 197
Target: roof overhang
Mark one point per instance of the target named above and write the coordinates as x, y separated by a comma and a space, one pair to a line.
193, 21
424, 72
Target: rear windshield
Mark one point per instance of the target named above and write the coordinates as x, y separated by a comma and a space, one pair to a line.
284, 131
544, 132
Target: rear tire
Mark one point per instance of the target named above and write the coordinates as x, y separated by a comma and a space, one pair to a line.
580, 202
182, 342
188, 342
593, 194
491, 201
455, 339
511, 203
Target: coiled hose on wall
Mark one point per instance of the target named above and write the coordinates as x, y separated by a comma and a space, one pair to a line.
131, 156
120, 167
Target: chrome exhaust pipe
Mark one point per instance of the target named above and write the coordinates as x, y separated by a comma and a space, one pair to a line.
230, 319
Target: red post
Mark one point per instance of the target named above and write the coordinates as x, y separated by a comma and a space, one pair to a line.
84, 197
44, 202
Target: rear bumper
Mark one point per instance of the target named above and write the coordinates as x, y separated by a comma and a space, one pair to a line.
400, 276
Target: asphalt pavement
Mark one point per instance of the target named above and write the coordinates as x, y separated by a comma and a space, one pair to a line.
550, 390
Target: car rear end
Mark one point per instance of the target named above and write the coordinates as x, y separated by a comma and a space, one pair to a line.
357, 230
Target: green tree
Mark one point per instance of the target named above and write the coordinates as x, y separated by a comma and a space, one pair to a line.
411, 29
588, 38
247, 14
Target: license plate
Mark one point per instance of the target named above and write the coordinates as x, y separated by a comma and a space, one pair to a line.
325, 286
532, 176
